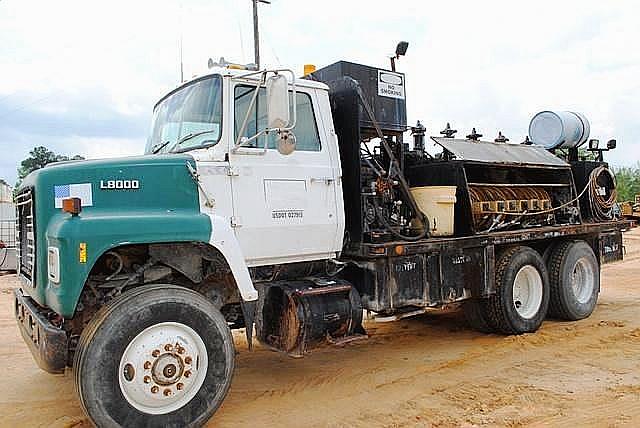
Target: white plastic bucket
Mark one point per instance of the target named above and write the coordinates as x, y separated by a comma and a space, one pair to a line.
437, 203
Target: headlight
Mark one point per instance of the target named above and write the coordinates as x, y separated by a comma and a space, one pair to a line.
53, 261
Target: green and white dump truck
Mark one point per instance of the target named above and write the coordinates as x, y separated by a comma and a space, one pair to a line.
286, 207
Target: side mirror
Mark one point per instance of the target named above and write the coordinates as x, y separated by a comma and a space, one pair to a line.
277, 102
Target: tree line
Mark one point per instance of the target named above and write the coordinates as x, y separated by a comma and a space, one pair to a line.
627, 182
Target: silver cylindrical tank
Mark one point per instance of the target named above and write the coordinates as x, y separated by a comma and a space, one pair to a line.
559, 129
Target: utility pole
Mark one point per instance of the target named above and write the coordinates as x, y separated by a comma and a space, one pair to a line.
181, 62
256, 36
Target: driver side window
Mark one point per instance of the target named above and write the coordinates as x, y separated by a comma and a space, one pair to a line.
305, 130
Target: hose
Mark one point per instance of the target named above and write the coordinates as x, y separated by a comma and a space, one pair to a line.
601, 207
385, 223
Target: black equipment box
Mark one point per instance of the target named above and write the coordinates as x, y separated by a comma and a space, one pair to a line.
383, 89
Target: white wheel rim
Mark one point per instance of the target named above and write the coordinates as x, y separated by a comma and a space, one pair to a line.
583, 280
163, 368
527, 291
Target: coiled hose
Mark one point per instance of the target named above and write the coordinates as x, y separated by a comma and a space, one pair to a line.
601, 205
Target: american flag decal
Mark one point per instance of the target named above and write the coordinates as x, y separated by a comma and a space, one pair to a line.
81, 191
62, 191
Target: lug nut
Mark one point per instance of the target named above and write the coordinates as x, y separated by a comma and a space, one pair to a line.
155, 389
147, 365
167, 392
180, 386
188, 360
147, 379
180, 349
168, 347
187, 373
155, 353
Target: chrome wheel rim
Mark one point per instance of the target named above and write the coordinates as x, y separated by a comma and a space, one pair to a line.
583, 280
163, 368
527, 291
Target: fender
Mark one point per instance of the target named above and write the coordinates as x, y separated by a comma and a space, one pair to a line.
100, 233
224, 240
103, 233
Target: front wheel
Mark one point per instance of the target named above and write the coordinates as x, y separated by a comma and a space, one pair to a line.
160, 355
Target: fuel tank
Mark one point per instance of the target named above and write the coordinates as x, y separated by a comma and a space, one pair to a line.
295, 316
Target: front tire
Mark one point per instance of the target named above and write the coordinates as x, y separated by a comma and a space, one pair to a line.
522, 292
575, 281
160, 355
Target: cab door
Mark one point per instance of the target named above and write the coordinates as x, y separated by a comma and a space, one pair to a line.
284, 206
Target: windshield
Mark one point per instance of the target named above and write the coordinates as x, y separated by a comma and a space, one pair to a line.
189, 118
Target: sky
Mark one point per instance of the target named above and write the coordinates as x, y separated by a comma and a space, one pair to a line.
81, 77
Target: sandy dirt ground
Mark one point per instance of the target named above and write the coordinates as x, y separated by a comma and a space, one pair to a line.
427, 371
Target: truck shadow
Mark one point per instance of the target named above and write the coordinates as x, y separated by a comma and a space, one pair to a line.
420, 340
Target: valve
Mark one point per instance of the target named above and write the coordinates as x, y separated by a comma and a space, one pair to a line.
418, 133
474, 136
448, 132
501, 138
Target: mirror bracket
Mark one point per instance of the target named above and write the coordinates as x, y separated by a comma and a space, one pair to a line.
241, 140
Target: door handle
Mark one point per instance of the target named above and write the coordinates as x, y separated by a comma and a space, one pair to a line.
327, 180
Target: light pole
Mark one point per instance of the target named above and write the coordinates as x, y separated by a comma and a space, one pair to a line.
256, 36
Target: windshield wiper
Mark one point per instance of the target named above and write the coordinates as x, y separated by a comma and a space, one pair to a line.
190, 136
155, 149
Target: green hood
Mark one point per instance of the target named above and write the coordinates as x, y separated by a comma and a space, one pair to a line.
145, 199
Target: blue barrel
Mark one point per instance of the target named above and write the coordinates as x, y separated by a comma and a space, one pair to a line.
559, 129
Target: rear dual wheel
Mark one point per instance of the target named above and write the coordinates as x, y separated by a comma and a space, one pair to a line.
520, 302
575, 280
160, 355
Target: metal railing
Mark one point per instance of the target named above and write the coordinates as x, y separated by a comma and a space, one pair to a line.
8, 233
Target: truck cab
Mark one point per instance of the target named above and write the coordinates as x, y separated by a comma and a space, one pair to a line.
269, 199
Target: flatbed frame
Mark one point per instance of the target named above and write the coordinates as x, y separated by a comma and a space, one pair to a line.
397, 276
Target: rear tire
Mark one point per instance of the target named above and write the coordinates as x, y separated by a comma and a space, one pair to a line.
522, 292
575, 281
159, 355
476, 313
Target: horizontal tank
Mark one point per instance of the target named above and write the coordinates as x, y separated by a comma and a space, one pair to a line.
559, 129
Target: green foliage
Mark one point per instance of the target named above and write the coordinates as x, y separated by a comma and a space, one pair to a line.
585, 154
628, 182
38, 158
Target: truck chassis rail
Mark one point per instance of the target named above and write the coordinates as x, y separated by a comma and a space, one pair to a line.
373, 250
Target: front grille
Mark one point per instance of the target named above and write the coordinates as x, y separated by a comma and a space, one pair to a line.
25, 234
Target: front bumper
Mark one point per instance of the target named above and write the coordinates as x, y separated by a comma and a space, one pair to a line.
47, 343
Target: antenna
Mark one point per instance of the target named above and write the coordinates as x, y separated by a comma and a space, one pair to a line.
256, 36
